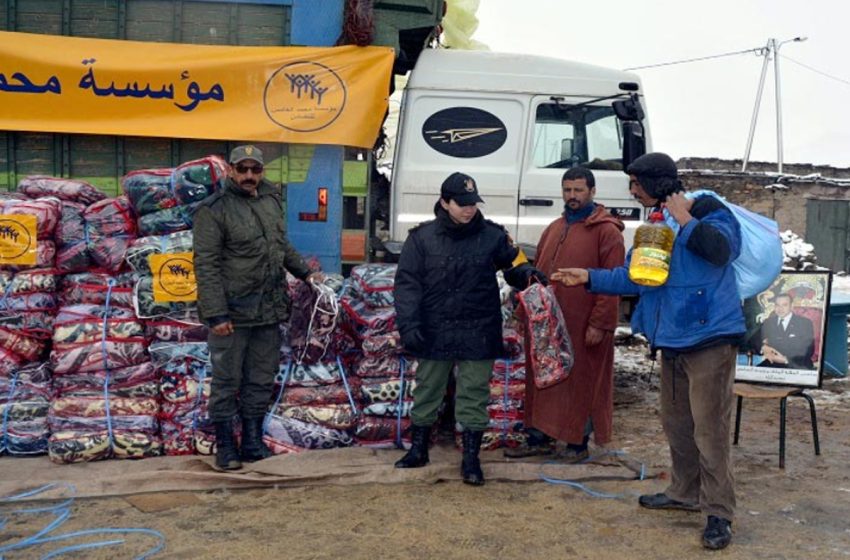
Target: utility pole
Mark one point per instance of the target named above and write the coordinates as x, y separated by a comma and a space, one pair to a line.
772, 49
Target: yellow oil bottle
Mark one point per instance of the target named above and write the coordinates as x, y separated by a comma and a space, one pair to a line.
653, 246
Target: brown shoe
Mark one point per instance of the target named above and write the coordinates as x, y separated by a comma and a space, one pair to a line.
526, 450
570, 455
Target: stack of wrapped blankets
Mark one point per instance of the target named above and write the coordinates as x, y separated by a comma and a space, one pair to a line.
386, 375
106, 392
314, 409
164, 199
72, 243
25, 394
184, 385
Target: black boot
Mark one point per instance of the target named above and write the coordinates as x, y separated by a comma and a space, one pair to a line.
253, 448
418, 454
470, 468
226, 455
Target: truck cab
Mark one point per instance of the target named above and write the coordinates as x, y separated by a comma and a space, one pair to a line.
515, 123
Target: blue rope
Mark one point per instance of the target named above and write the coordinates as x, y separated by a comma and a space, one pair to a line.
281, 379
4, 441
105, 356
62, 511
86, 238
198, 399
586, 489
402, 366
347, 387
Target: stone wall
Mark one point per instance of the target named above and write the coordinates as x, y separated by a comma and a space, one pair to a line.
763, 190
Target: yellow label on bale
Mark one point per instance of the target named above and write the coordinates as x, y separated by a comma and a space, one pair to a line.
18, 239
173, 277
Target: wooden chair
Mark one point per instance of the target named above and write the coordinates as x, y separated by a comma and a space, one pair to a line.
749, 391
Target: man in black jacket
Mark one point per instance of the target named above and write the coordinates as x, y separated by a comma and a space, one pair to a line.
449, 313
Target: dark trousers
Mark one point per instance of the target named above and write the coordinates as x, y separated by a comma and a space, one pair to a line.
472, 392
244, 365
696, 412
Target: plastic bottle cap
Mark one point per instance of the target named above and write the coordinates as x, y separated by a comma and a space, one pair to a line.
656, 217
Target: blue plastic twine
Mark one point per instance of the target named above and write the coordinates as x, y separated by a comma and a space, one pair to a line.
5, 439
281, 379
345, 383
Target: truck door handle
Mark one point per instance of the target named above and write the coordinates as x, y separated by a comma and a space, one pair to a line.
535, 202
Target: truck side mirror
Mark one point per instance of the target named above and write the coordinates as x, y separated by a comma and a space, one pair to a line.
630, 113
634, 142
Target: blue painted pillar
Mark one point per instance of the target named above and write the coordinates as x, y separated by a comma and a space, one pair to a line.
313, 232
317, 23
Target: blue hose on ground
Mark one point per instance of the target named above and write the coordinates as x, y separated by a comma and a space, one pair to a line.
640, 474
62, 512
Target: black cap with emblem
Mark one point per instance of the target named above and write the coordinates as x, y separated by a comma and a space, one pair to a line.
461, 188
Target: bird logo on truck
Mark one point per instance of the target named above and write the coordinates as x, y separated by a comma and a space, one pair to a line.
465, 132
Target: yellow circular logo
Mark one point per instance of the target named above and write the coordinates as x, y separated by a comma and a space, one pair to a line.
304, 96
177, 277
15, 238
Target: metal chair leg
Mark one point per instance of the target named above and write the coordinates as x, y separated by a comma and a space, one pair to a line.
738, 420
782, 405
814, 422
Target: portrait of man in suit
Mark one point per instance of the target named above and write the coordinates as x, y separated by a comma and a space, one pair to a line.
786, 339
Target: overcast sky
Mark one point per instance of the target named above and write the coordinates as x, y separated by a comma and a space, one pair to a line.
704, 108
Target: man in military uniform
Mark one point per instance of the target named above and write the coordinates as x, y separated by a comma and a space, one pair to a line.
449, 313
241, 255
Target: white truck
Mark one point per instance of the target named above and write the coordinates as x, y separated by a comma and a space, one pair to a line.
515, 123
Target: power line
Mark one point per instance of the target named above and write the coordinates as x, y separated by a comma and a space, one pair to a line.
757, 50
816, 71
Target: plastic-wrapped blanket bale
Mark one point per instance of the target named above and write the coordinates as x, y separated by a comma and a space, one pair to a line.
148, 190
111, 229
46, 211
373, 284
315, 331
387, 366
187, 328
27, 304
381, 432
71, 190
91, 338
195, 180
311, 424
147, 308
92, 428
550, 352
289, 435
24, 400
167, 221
94, 287
185, 382
143, 247
139, 381
72, 248
380, 319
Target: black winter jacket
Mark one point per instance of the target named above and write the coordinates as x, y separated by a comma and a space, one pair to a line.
446, 294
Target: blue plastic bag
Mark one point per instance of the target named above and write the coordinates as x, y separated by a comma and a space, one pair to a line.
761, 258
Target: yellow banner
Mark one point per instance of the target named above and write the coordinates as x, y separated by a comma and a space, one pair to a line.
18, 239
173, 277
311, 95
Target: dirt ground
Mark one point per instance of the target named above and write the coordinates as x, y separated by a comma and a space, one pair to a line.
801, 512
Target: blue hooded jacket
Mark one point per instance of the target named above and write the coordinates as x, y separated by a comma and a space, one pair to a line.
700, 300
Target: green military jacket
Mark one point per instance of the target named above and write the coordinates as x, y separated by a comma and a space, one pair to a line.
241, 251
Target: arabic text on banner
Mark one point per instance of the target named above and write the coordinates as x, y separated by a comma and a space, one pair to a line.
310, 95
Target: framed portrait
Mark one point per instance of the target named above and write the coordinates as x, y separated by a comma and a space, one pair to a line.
786, 324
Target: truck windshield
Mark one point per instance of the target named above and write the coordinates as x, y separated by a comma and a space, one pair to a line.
566, 136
